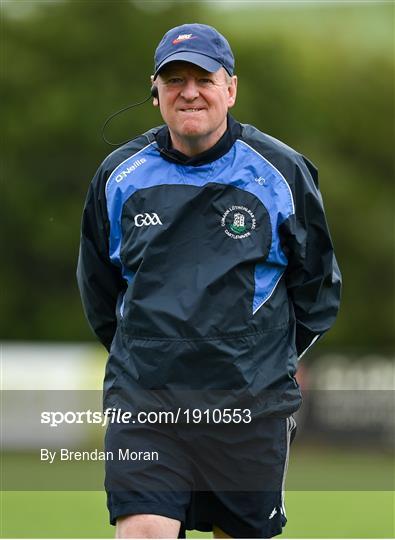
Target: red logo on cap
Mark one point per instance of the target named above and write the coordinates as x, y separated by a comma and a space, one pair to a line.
183, 37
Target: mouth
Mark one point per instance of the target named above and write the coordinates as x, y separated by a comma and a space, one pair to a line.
192, 110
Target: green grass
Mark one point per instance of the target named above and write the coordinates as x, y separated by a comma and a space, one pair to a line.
314, 509
311, 514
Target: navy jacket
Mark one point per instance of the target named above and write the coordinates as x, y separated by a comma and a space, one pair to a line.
212, 273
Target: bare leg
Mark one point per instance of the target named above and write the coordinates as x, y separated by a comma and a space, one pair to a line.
147, 526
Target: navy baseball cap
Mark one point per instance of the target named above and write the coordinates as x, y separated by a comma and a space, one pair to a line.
195, 43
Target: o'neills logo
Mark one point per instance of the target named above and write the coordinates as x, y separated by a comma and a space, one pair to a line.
183, 37
238, 222
123, 174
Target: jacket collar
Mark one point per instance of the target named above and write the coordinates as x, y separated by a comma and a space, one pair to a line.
221, 147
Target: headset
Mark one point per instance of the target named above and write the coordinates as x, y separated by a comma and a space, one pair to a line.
153, 94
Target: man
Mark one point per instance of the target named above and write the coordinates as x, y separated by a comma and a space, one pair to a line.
206, 268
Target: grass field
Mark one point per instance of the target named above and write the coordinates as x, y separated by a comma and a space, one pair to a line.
311, 513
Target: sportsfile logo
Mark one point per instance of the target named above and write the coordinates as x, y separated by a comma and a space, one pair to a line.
183, 37
143, 220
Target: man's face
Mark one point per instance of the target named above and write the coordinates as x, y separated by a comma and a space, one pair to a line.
194, 102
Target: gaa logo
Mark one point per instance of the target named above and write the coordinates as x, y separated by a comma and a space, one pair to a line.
238, 222
141, 220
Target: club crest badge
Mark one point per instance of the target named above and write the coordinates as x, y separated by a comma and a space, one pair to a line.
238, 222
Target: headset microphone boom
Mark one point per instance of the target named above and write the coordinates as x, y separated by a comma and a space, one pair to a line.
153, 94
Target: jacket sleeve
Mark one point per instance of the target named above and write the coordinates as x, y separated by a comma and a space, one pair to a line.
99, 280
312, 277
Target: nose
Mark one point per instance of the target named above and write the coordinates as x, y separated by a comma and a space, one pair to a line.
190, 90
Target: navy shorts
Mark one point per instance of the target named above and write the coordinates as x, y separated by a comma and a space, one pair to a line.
231, 476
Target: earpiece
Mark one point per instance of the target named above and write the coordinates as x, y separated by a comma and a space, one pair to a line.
154, 91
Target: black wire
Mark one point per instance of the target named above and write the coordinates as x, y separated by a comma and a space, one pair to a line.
115, 114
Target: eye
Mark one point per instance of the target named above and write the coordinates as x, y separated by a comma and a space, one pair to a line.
174, 80
206, 81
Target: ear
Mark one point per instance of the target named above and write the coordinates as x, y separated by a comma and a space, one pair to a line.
232, 92
155, 101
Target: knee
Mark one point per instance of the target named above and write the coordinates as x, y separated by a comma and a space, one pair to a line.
147, 526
